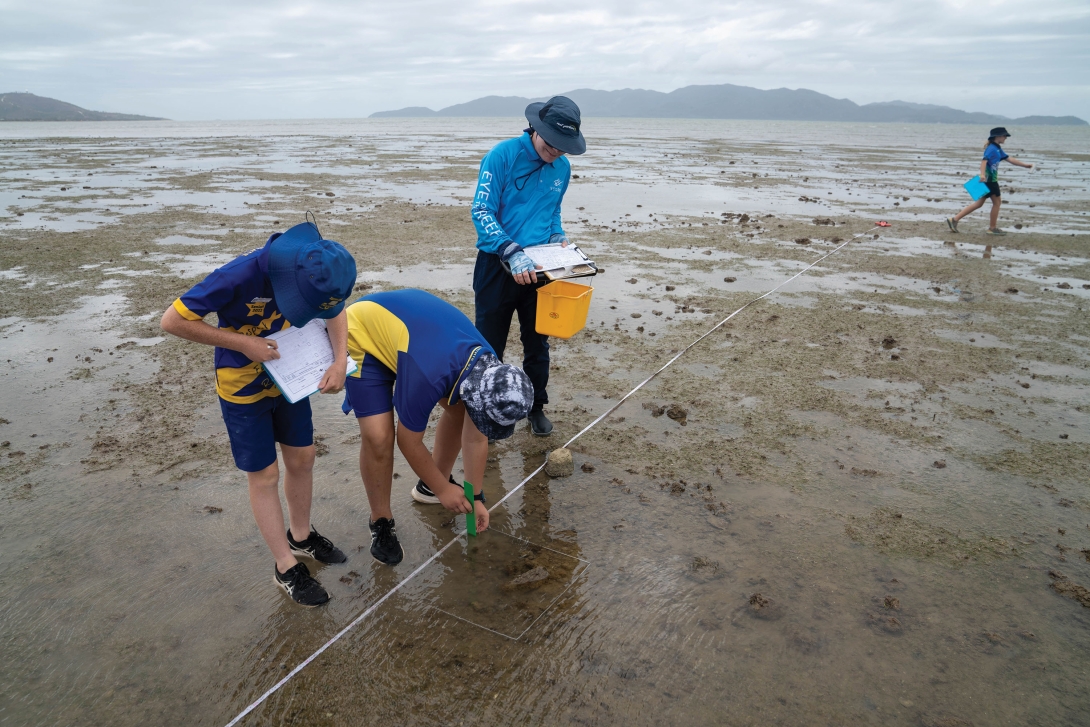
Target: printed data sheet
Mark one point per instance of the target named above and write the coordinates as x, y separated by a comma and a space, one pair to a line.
305, 355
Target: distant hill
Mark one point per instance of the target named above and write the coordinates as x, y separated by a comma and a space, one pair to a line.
409, 111
727, 101
28, 107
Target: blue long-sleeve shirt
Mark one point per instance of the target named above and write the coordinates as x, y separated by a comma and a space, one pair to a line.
518, 197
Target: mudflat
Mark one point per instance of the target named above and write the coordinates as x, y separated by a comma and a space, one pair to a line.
861, 501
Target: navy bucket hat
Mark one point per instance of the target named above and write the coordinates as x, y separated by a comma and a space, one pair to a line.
311, 277
998, 131
496, 395
557, 122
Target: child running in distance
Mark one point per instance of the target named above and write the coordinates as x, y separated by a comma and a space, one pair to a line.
989, 175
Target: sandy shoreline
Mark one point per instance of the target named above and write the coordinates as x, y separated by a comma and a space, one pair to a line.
874, 508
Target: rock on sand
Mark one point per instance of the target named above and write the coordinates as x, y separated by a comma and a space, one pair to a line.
530, 577
559, 463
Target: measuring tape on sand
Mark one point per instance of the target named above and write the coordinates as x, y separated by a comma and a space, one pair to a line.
420, 568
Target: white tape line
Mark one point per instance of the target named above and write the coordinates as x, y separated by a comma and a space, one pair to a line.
713, 330
371, 609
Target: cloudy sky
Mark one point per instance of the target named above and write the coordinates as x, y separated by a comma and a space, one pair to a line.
237, 59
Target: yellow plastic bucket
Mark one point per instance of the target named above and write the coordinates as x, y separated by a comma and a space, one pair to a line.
562, 308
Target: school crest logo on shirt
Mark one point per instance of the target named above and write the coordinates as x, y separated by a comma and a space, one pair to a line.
256, 306
264, 325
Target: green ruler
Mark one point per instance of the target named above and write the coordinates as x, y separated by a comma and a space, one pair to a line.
471, 517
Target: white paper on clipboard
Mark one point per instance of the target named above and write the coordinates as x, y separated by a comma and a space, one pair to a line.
553, 257
305, 355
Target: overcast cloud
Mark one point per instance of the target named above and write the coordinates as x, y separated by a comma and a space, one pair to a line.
281, 59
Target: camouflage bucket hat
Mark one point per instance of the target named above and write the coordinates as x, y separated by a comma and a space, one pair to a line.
496, 395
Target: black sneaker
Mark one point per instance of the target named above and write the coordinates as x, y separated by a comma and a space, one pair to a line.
385, 547
318, 547
301, 586
539, 423
423, 494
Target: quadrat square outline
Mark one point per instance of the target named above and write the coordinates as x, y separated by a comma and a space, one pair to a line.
580, 568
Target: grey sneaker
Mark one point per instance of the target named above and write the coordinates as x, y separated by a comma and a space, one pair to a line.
952, 224
996, 231
539, 423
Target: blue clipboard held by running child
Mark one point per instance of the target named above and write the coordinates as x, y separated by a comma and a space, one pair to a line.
976, 188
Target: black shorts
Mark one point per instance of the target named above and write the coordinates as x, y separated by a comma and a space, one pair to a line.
993, 189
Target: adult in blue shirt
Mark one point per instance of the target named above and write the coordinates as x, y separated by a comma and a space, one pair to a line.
520, 189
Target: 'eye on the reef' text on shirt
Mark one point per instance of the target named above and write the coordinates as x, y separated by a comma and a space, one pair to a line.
518, 196
428, 343
241, 294
993, 154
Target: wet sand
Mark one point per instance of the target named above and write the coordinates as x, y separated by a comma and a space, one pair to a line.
862, 501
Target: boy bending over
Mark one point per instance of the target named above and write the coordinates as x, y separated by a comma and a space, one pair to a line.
436, 356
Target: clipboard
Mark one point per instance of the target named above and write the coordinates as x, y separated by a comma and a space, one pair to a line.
976, 188
305, 355
578, 264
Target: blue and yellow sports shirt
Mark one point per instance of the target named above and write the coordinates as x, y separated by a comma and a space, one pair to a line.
429, 345
241, 294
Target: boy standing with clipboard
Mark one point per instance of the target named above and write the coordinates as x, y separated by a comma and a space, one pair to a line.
296, 277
